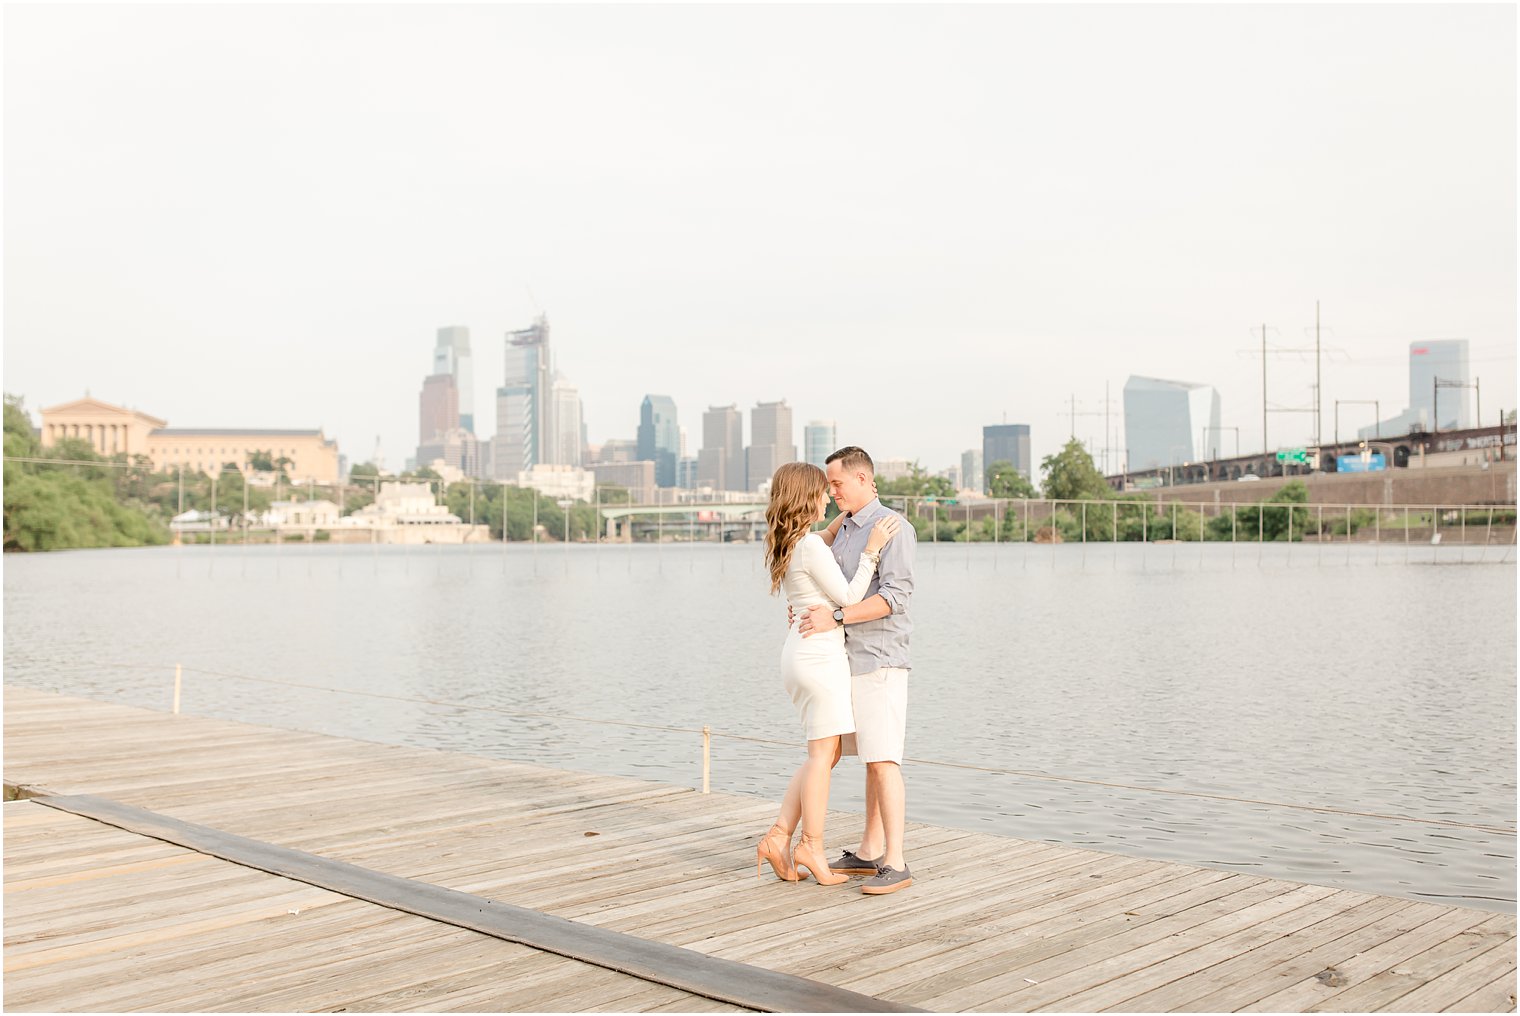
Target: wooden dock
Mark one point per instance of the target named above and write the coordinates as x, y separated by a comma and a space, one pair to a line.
99, 917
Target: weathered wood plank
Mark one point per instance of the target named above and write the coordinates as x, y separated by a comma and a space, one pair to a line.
1496, 996
1120, 903
1355, 911
1092, 943
1496, 966
1120, 976
1389, 988
1312, 991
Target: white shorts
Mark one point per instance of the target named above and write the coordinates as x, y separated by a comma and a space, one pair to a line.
880, 701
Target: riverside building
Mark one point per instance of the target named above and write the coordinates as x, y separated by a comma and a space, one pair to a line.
1168, 423
117, 430
409, 513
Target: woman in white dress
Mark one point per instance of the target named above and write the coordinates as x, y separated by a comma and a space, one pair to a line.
815, 670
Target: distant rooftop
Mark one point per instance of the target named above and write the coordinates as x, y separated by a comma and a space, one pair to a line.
235, 432
1137, 381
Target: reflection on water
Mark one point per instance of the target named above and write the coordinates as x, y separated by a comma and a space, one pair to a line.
1338, 678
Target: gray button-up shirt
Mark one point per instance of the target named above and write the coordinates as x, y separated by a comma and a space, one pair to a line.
872, 645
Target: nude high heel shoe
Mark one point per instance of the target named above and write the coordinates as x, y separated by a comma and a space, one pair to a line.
809, 855
770, 850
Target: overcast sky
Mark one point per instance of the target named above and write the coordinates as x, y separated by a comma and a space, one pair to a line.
914, 220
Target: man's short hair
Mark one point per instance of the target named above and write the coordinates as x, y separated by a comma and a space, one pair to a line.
851, 458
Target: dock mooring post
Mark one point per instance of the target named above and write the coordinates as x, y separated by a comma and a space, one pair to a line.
706, 759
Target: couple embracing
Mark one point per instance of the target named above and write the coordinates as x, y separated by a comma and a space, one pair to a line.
844, 663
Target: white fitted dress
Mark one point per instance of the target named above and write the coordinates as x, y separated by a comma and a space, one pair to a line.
815, 670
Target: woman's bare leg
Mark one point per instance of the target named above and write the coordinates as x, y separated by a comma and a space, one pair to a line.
776, 846
791, 803
823, 753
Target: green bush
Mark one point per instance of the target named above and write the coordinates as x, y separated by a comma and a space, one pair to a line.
51, 507
1352, 523
56, 511
1283, 516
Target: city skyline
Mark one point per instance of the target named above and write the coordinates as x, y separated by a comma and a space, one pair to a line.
727, 246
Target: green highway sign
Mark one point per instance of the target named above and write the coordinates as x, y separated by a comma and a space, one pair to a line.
1295, 455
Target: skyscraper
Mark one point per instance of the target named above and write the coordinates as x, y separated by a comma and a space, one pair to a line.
1446, 359
1006, 442
456, 447
1167, 423
720, 461
566, 430
771, 445
973, 473
437, 407
617, 449
660, 437
522, 403
452, 356
818, 439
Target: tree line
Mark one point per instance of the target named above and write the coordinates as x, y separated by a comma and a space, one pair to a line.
1071, 475
121, 501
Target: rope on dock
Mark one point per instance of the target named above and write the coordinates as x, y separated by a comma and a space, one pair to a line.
683, 969
708, 732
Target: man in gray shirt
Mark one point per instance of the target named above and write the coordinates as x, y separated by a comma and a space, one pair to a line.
876, 640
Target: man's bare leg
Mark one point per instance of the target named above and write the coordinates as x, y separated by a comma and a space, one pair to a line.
873, 840
891, 811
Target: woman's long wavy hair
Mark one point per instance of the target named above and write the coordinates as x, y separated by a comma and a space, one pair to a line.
795, 489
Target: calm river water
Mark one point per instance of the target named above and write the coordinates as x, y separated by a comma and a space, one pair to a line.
1337, 715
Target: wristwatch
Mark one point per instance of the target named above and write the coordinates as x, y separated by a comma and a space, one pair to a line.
839, 616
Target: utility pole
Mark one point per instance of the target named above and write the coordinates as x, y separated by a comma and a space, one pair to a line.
1435, 400
1266, 407
1377, 413
1319, 401
1265, 447
1088, 412
1108, 445
1212, 452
